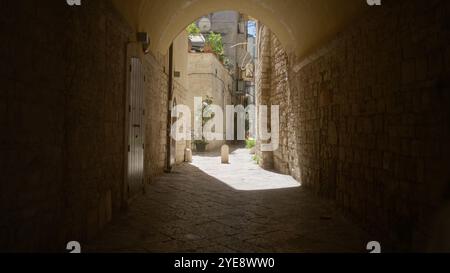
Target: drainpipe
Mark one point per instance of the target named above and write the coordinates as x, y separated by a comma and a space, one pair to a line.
169, 113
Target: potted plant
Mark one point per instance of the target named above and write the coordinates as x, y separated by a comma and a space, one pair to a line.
193, 30
200, 145
207, 48
214, 44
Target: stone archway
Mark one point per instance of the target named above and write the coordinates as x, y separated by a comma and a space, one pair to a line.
300, 26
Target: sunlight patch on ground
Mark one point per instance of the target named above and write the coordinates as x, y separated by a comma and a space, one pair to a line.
242, 173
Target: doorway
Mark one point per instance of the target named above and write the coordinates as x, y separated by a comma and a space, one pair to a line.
136, 129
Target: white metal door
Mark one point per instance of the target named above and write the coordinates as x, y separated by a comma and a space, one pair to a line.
136, 129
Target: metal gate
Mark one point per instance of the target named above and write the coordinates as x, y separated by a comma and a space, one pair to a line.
136, 137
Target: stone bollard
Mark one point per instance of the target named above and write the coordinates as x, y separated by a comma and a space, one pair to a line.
225, 154
188, 155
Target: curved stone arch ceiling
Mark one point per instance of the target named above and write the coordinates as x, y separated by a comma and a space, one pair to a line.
300, 25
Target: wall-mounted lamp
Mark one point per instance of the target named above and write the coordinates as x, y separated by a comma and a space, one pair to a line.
144, 39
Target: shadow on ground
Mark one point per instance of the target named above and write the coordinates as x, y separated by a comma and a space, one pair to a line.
192, 211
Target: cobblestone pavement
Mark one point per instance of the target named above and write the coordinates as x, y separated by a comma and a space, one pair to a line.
210, 207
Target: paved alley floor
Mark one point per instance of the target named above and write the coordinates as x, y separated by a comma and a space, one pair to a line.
210, 207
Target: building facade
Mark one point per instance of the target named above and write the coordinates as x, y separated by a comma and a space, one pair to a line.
207, 76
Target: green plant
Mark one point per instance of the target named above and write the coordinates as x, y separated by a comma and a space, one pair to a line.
201, 142
257, 159
216, 43
206, 116
226, 61
192, 29
250, 143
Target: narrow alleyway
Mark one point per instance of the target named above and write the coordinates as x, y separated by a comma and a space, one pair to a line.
209, 207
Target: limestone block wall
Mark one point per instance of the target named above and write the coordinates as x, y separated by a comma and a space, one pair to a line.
94, 117
62, 121
156, 96
62, 118
208, 77
273, 88
263, 87
183, 97
180, 85
371, 118
280, 95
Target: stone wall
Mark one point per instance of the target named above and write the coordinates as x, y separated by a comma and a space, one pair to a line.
263, 87
371, 117
156, 88
208, 77
62, 117
273, 89
62, 141
180, 85
182, 96
94, 117
280, 95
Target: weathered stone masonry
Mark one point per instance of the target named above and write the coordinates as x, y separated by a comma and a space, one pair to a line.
62, 118
64, 111
273, 89
156, 89
365, 119
372, 118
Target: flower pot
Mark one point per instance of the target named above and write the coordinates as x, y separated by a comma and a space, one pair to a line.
207, 49
200, 147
